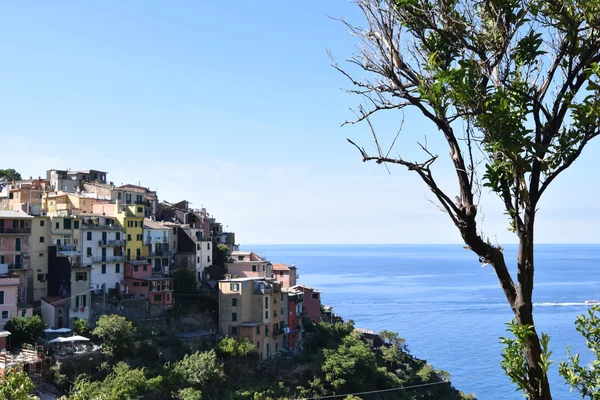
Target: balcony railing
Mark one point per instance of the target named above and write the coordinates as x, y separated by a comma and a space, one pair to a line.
111, 243
263, 290
137, 259
103, 227
150, 240
66, 247
277, 332
159, 253
108, 259
15, 231
16, 266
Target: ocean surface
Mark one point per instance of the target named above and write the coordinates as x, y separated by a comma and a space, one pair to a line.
449, 308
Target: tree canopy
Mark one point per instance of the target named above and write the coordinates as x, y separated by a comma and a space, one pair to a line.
25, 329
7, 176
511, 86
116, 333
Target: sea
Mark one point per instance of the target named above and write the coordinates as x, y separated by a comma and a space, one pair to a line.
447, 305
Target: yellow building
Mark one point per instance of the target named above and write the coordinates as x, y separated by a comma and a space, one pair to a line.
131, 217
252, 308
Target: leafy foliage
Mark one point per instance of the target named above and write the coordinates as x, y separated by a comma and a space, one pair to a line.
229, 347
81, 327
188, 394
184, 281
513, 360
585, 379
25, 329
16, 385
221, 254
116, 333
202, 369
7, 176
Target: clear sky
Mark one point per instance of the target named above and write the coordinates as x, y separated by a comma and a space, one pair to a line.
234, 106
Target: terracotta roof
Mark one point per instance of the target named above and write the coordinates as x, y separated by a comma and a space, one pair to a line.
14, 214
282, 267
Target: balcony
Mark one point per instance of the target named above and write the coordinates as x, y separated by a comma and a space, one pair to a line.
263, 290
108, 259
159, 253
277, 332
103, 227
66, 248
111, 243
16, 266
137, 260
150, 240
15, 231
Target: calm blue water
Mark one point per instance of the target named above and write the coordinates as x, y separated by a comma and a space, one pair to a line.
449, 308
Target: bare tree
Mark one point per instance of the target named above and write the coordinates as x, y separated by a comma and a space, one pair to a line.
512, 84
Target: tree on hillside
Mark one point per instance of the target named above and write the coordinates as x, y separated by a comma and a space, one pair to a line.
116, 333
7, 176
512, 87
16, 385
24, 330
221, 254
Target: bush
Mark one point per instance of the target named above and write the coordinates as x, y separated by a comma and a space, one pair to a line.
81, 327
116, 333
24, 329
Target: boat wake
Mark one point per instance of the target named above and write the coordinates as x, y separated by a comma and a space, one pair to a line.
562, 304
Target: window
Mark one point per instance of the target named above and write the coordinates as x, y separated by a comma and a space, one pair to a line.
1, 297
254, 268
267, 331
5, 314
89, 236
41, 277
103, 268
81, 276
24, 312
42, 239
75, 224
140, 237
118, 268
199, 247
258, 345
67, 223
135, 268
42, 222
145, 268
136, 284
129, 236
168, 297
315, 295
175, 230
258, 331
198, 260
208, 246
274, 313
140, 209
281, 296
158, 298
266, 302
234, 287
145, 284
83, 300
264, 268
119, 195
208, 258
281, 310
274, 300
240, 258
234, 302
57, 225
266, 317
234, 316
280, 273
234, 330
89, 252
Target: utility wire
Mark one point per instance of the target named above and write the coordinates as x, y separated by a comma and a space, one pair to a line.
374, 391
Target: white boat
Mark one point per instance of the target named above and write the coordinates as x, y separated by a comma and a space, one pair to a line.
592, 302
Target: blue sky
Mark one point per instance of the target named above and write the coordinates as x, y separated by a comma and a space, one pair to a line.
234, 106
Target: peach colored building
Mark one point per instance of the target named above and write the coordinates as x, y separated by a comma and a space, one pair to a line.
246, 264
285, 274
9, 291
27, 196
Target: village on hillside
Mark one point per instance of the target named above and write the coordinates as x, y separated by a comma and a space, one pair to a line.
73, 246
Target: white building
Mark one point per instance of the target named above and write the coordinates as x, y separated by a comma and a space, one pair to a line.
157, 238
103, 249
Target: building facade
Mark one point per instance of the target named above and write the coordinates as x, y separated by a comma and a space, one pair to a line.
311, 306
248, 264
157, 239
9, 290
285, 274
15, 237
103, 245
38, 256
251, 308
141, 283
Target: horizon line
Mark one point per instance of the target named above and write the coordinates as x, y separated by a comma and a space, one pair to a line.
411, 244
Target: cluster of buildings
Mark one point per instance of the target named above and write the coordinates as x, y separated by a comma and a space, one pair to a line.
72, 235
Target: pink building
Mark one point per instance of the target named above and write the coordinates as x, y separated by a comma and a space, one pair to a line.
140, 282
15, 231
311, 306
285, 274
246, 264
9, 289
